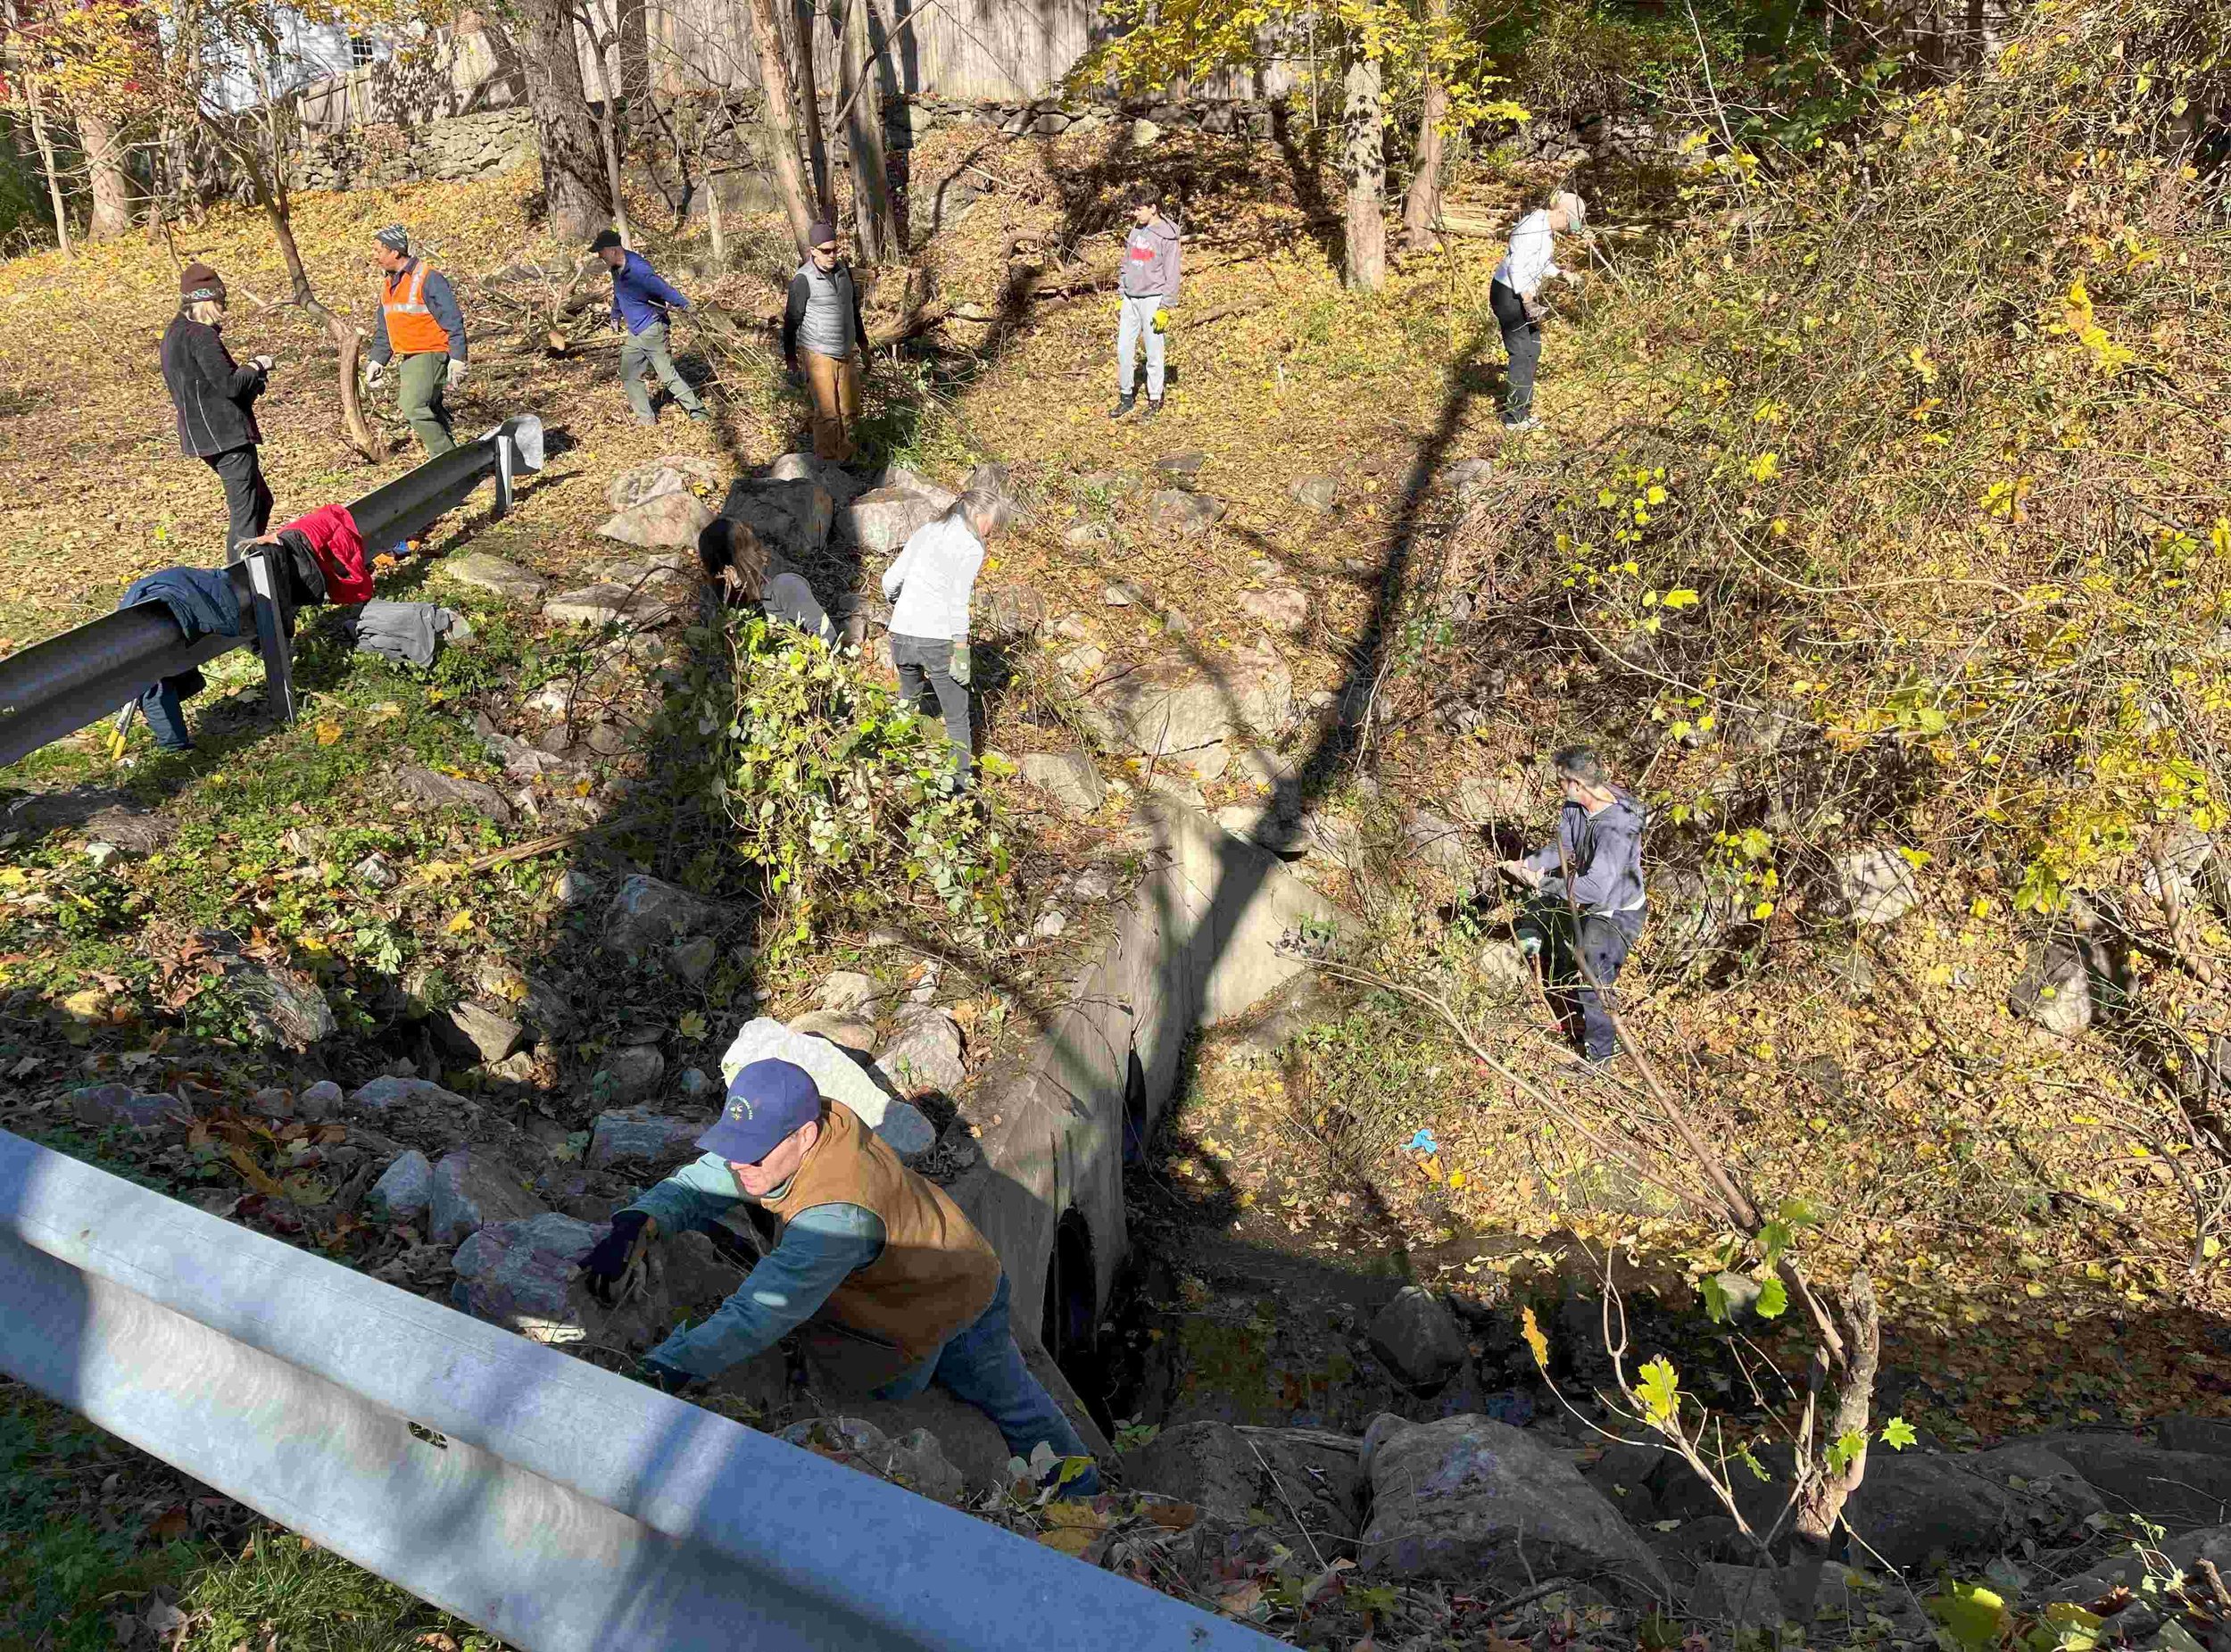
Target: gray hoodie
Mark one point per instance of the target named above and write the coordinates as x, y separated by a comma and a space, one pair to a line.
1604, 852
1150, 261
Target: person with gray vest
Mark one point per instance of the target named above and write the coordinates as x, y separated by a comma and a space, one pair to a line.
1589, 895
1147, 284
822, 327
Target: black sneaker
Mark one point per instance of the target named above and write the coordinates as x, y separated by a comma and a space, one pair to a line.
1124, 404
698, 416
1154, 409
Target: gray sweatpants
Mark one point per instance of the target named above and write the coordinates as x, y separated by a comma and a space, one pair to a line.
927, 662
647, 350
1521, 340
1138, 321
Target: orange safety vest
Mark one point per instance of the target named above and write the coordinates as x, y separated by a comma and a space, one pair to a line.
411, 328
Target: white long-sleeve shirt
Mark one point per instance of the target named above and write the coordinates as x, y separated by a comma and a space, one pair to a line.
1532, 257
932, 581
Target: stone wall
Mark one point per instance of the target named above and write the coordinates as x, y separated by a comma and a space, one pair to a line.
451, 151
1050, 117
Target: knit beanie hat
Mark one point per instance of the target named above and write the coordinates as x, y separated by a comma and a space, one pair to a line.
395, 237
197, 282
822, 230
605, 238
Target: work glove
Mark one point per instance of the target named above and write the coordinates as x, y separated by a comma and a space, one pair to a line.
1162, 319
666, 1379
374, 372
792, 376
1519, 872
605, 1264
262, 363
456, 375
963, 666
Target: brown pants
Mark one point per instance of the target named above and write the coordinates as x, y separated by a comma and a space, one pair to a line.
836, 402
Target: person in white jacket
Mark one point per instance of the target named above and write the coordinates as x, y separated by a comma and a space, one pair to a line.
930, 586
1531, 260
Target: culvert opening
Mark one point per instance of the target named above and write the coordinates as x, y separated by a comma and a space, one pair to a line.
1070, 1325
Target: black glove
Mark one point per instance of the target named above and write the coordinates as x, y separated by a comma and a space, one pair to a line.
666, 1379
603, 1268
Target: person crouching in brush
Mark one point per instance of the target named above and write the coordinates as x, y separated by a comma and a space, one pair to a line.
745, 574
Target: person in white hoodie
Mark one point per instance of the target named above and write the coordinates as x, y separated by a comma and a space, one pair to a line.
1531, 260
930, 586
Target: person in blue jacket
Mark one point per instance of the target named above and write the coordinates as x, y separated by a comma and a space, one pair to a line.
640, 303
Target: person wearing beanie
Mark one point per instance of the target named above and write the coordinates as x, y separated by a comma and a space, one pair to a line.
215, 398
640, 304
888, 1283
423, 332
823, 327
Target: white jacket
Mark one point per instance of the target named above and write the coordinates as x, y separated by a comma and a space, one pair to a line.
932, 581
1532, 257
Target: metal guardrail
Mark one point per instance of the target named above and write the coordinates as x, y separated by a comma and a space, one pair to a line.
54, 688
557, 1506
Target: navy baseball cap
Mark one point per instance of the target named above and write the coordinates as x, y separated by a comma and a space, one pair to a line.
767, 1100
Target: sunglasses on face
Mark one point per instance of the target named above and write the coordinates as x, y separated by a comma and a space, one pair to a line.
824, 251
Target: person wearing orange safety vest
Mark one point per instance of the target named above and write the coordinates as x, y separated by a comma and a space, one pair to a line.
425, 329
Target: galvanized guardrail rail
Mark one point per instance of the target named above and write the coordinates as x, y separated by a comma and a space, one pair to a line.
553, 1504
54, 688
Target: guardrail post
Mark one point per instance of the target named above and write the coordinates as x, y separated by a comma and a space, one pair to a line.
272, 641
504, 474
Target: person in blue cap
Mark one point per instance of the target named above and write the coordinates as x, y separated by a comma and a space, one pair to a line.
893, 1287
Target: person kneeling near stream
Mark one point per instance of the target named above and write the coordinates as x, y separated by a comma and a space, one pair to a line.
893, 1285
744, 574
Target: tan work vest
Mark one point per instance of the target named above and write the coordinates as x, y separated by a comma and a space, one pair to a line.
936, 1274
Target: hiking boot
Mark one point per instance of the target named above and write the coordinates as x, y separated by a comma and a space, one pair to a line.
1528, 423
698, 416
1154, 409
1124, 404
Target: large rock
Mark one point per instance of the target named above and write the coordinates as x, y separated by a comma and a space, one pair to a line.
846, 1032
2209, 1434
915, 1461
483, 1031
2054, 1492
647, 912
2130, 1570
924, 1057
791, 516
2055, 990
519, 1275
1158, 718
884, 518
105, 1106
1244, 1473
840, 484
1264, 688
1419, 1340
440, 790
282, 1006
1187, 515
1068, 777
1876, 886
607, 604
662, 522
671, 473
1315, 492
404, 1191
837, 1075
473, 1187
845, 991
632, 1073
1441, 844
2177, 1489
638, 1135
1478, 1502
1911, 1505
105, 816
384, 1094
483, 572
1277, 608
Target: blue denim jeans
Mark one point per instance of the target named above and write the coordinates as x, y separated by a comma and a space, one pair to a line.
982, 1366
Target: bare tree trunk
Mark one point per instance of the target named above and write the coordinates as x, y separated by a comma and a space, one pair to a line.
1848, 1413
1422, 206
53, 180
1363, 162
574, 188
873, 218
806, 13
112, 188
608, 128
782, 117
712, 217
